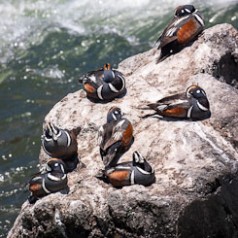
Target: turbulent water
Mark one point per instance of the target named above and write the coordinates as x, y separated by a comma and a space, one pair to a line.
45, 46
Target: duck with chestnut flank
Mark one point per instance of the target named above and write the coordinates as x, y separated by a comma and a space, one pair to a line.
51, 179
192, 104
139, 171
104, 85
115, 137
61, 143
184, 28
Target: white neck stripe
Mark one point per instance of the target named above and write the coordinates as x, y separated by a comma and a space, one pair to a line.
201, 106
113, 88
133, 177
68, 139
47, 139
44, 187
123, 81
99, 92
143, 171
199, 19
189, 112
53, 178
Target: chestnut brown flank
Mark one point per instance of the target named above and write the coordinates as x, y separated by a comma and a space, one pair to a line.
117, 178
89, 88
35, 187
176, 112
185, 33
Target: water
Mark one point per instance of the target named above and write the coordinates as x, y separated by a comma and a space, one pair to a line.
45, 46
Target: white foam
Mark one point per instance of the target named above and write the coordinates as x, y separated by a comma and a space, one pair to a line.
25, 23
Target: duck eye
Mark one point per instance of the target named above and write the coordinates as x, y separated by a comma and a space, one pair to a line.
198, 91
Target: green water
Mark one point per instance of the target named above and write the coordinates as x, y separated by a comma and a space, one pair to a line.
44, 48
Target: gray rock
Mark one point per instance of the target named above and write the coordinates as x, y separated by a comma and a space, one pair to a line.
196, 189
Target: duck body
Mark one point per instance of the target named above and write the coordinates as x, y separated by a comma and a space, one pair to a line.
104, 84
61, 143
184, 28
115, 137
193, 104
51, 179
138, 171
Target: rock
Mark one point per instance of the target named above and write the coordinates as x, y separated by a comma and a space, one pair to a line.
195, 194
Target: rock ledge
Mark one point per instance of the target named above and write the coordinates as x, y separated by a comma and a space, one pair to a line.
196, 189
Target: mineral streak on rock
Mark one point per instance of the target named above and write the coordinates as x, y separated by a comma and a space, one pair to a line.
195, 194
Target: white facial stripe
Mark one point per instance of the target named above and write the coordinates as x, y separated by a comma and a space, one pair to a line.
114, 117
44, 188
93, 78
68, 139
133, 177
187, 10
48, 168
201, 106
139, 158
113, 88
136, 157
188, 94
199, 19
203, 92
62, 168
99, 92
189, 112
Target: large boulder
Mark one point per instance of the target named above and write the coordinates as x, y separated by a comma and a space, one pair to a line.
196, 162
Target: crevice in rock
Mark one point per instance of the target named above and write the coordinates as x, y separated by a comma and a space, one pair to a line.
215, 216
212, 187
226, 69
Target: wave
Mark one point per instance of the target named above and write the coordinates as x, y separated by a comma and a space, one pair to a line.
25, 23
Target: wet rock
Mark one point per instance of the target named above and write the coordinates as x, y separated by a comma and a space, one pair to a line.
195, 194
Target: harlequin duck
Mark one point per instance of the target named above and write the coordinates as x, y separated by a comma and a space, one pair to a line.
50, 180
186, 25
61, 143
115, 137
193, 104
138, 171
104, 84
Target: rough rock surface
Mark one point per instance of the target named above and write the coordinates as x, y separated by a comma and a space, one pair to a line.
196, 163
